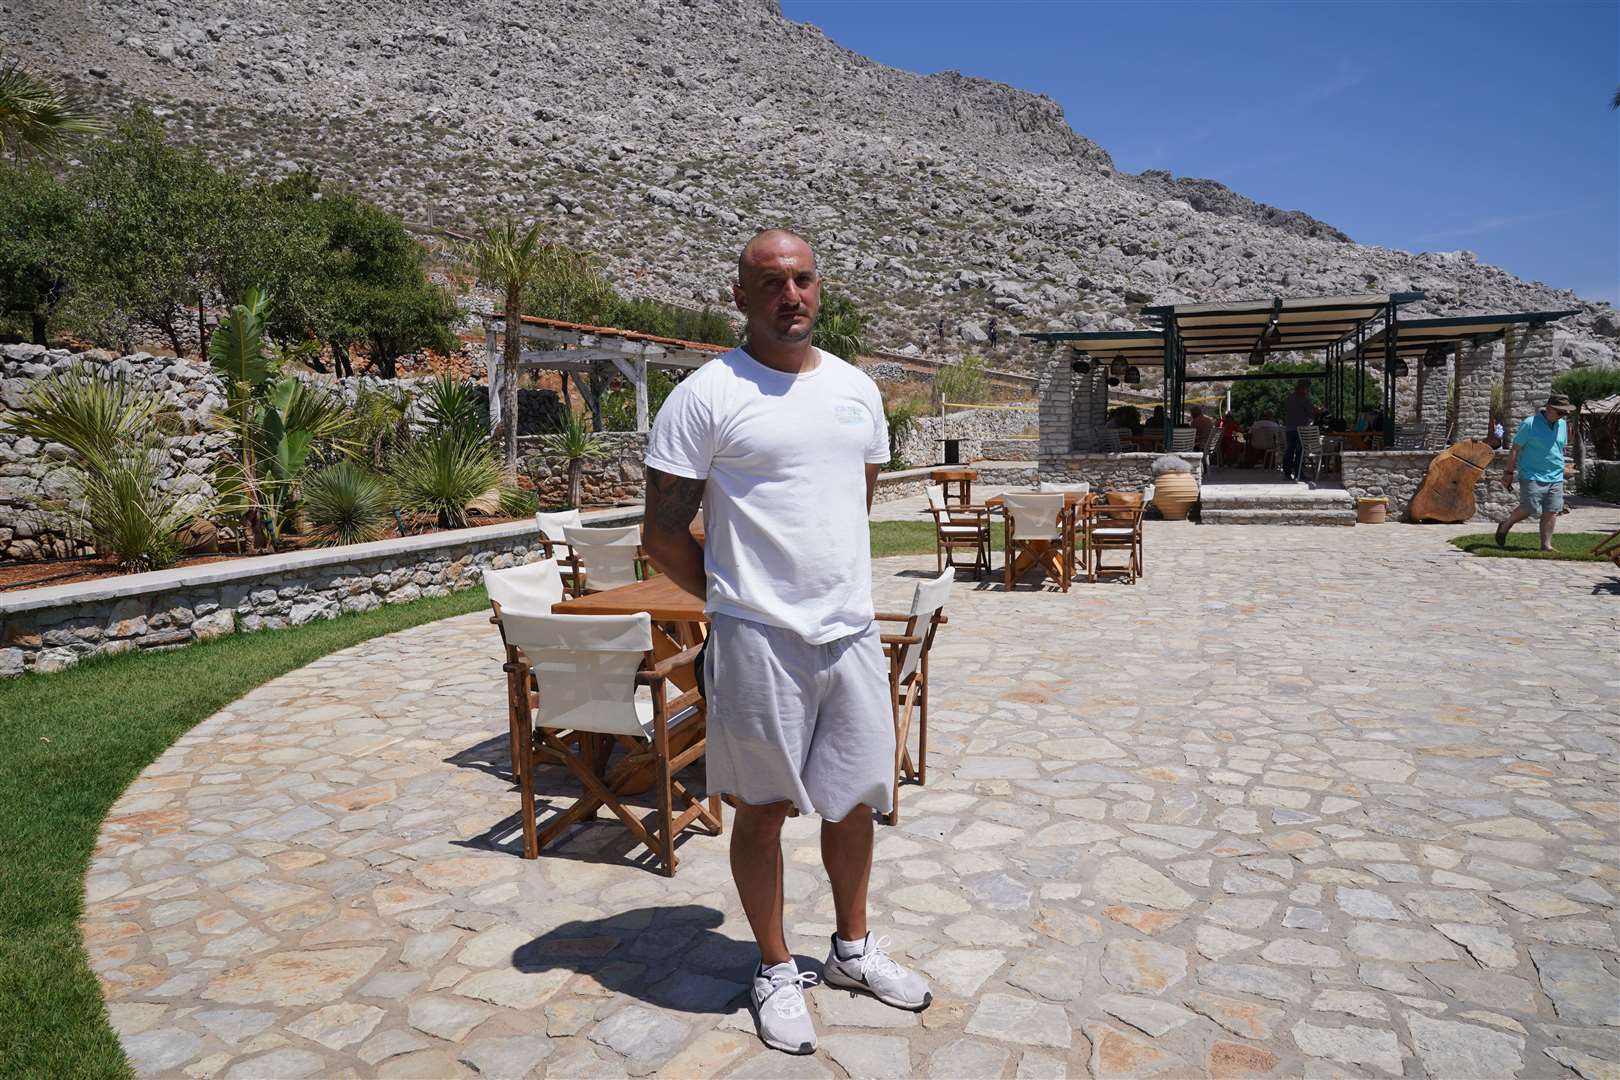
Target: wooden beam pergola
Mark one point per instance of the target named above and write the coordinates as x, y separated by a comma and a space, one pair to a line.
583, 348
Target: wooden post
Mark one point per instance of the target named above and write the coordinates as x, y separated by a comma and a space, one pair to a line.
642, 420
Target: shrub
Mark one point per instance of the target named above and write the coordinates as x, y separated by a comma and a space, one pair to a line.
963, 382
840, 327
345, 504
901, 418
452, 404
517, 502
447, 476
128, 516
381, 426
573, 444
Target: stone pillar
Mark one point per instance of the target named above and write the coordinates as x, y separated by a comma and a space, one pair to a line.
1054, 396
1433, 399
1090, 406
1478, 367
1527, 372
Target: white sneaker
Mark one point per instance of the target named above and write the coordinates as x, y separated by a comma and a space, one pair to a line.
777, 1002
874, 971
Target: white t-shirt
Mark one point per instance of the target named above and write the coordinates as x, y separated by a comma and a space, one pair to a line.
784, 510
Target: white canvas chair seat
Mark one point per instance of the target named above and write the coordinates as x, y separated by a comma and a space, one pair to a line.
1040, 519
1112, 532
532, 588
959, 530
595, 679
908, 678
604, 558
1036, 514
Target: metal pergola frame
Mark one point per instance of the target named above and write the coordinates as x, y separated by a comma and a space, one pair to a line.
584, 348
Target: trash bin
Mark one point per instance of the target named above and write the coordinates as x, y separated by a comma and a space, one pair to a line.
953, 452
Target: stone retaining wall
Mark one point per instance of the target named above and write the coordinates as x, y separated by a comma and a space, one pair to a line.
615, 480
1397, 474
905, 483
1110, 472
33, 476
49, 629
974, 428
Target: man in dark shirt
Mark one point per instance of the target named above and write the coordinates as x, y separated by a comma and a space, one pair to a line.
1298, 412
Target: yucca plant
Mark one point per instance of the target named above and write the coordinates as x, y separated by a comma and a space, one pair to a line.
574, 444
130, 519
445, 475
452, 404
345, 504
91, 414
518, 502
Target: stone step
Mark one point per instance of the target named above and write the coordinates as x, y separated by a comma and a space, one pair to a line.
1280, 503
1277, 516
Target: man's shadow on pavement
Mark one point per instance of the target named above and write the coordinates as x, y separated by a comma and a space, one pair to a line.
671, 957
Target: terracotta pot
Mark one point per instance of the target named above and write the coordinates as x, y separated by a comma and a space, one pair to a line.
1372, 511
1174, 494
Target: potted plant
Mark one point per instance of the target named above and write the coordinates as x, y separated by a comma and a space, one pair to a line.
1174, 489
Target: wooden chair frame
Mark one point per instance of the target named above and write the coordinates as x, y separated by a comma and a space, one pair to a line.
910, 698
1609, 547
585, 756
1066, 542
1106, 516
962, 515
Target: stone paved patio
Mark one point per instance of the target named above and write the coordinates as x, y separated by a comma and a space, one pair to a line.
1319, 802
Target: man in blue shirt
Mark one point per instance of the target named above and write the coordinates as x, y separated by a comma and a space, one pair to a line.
1538, 459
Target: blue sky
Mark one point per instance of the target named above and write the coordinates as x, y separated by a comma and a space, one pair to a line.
1422, 125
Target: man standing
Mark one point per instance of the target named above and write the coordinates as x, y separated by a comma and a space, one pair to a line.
781, 444
1538, 458
1298, 412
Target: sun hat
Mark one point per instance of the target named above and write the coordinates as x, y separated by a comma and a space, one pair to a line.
1559, 402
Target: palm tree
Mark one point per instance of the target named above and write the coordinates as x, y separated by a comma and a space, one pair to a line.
37, 114
509, 258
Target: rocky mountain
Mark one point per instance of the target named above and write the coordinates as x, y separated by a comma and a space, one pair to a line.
662, 132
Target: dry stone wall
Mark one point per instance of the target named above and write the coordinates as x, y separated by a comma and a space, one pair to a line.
614, 480
1397, 474
34, 477
50, 629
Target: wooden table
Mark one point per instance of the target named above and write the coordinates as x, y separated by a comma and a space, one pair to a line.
1041, 551
1142, 442
961, 480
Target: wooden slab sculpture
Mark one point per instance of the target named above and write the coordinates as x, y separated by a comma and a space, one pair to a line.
1447, 492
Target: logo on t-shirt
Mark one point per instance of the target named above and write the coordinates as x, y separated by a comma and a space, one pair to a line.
849, 415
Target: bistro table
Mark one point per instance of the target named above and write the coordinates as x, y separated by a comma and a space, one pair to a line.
959, 479
1042, 551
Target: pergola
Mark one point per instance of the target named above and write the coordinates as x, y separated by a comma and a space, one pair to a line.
582, 348
1350, 331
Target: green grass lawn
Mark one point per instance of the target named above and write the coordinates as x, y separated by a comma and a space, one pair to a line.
69, 745
1524, 542
913, 538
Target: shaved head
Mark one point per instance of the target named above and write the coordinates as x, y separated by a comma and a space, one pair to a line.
779, 290
765, 241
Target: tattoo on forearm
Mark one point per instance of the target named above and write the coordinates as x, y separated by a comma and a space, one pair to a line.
672, 501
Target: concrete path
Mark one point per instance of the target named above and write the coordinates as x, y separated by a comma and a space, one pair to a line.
1338, 808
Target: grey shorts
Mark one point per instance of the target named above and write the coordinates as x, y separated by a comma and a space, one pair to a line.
788, 720
1535, 498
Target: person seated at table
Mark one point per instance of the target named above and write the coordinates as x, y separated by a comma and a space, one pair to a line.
1202, 425
1155, 421
1265, 435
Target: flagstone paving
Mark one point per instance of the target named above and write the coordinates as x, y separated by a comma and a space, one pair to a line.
1301, 802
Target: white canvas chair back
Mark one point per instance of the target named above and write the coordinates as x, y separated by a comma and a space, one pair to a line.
608, 555
1182, 438
936, 496
926, 601
1082, 488
530, 589
585, 666
1034, 516
552, 525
